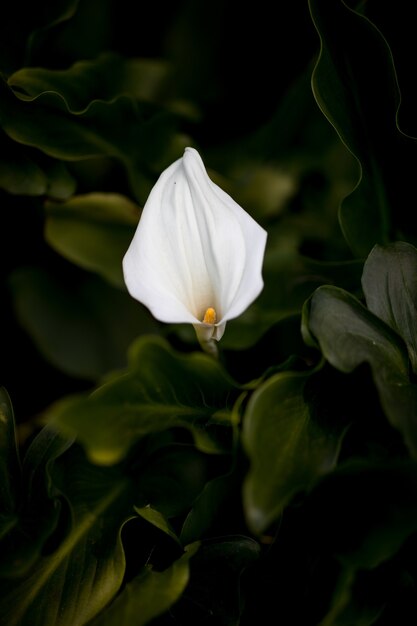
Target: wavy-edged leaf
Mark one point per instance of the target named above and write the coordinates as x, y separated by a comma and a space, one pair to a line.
349, 335
161, 389
287, 446
93, 231
355, 85
104, 78
83, 330
143, 139
389, 283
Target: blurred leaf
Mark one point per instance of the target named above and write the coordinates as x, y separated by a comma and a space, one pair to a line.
25, 172
140, 137
10, 472
39, 506
347, 609
160, 390
390, 286
93, 231
348, 335
287, 446
74, 582
355, 85
104, 78
85, 329
148, 595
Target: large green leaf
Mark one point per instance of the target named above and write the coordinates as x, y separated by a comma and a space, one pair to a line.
104, 78
160, 390
85, 329
39, 506
148, 595
93, 231
355, 85
287, 446
349, 335
70, 585
390, 286
140, 137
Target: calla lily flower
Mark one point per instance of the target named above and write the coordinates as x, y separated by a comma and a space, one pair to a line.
196, 256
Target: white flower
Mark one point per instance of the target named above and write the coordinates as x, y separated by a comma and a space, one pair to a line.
196, 256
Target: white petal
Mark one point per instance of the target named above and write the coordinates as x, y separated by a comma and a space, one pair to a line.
194, 248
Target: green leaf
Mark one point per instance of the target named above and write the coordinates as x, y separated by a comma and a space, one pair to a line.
9, 464
287, 446
104, 78
390, 286
82, 329
93, 231
148, 595
207, 507
158, 520
160, 390
26, 172
349, 335
355, 86
347, 609
144, 141
39, 507
73, 583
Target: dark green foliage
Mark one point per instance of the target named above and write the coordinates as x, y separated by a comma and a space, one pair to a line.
146, 482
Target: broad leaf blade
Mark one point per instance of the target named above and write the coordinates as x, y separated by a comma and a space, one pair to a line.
287, 447
349, 335
142, 141
40, 505
84, 330
150, 594
160, 390
389, 283
72, 584
93, 231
